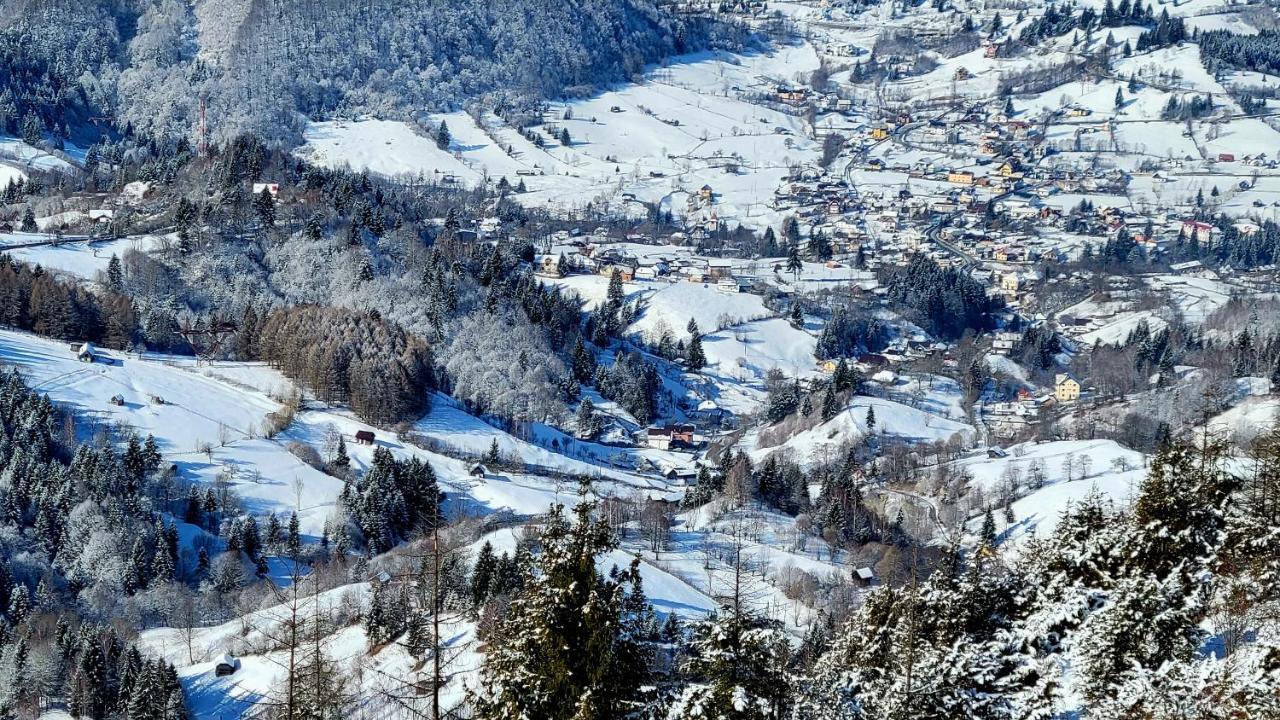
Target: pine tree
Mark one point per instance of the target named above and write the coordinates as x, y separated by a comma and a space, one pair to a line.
567, 647
794, 265
115, 275
482, 575
293, 540
697, 358
29, 221
738, 670
443, 138
587, 421
987, 535
264, 205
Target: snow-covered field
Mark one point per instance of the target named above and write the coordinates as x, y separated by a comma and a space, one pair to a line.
1051, 476
691, 122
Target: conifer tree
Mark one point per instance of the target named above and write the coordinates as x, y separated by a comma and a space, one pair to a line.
567, 648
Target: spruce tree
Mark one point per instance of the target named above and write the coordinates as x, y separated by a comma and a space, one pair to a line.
567, 648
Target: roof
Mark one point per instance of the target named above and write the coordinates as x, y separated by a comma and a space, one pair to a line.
227, 659
864, 573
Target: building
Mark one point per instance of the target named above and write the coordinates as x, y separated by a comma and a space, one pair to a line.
273, 188
1010, 283
226, 665
86, 353
1066, 389
1201, 231
1005, 342
662, 438
960, 177
880, 132
705, 192
658, 438
551, 266
365, 437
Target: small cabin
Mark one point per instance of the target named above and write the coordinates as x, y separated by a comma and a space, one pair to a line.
85, 353
365, 437
865, 575
478, 471
117, 400
226, 665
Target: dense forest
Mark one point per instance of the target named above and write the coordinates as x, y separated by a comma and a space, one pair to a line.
266, 66
377, 367
944, 301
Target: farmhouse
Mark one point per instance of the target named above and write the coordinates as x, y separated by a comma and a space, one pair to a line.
1066, 388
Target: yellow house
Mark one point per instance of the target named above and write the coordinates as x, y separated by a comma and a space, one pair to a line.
1010, 283
1066, 388
827, 366
960, 177
880, 132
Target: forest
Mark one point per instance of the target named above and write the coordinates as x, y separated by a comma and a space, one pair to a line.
265, 67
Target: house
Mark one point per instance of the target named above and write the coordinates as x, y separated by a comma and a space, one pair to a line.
1010, 168
662, 438
792, 95
880, 132
226, 665
960, 177
658, 438
117, 400
1201, 231
272, 188
364, 437
86, 353
705, 192
1226, 157
627, 273
1005, 342
728, 286
550, 266
682, 433
717, 269
1010, 283
1066, 389
478, 471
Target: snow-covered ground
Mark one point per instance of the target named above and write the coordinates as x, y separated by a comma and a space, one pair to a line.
1051, 476
693, 121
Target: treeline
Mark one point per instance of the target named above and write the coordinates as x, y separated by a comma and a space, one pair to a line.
944, 301
1104, 616
1222, 49
1241, 250
849, 332
33, 299
1059, 20
342, 355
